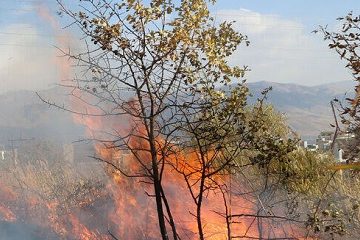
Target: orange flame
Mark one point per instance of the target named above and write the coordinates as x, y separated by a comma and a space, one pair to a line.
7, 214
135, 210
82, 232
6, 196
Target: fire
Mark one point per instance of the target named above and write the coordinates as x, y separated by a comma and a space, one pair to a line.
133, 214
6, 196
135, 210
82, 232
7, 214
35, 206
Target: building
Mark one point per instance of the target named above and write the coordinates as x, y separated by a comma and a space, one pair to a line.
325, 142
342, 143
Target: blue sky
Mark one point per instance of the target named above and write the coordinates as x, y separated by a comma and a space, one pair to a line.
282, 49
309, 11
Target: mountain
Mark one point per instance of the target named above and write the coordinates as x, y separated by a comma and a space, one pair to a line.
307, 107
24, 116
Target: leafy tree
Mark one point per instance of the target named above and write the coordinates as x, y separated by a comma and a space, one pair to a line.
346, 42
162, 53
218, 137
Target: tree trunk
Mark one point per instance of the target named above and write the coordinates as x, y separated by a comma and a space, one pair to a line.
199, 205
157, 187
171, 219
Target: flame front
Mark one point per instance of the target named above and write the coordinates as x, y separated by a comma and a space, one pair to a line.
135, 208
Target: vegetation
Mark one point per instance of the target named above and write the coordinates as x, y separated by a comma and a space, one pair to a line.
41, 187
187, 106
170, 120
162, 67
346, 43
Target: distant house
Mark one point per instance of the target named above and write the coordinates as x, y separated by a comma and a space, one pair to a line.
312, 147
303, 144
9, 155
342, 142
324, 142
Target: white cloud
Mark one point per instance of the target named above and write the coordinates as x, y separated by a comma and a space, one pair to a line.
27, 59
283, 51
280, 51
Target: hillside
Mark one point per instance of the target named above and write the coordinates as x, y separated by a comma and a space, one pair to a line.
307, 108
24, 116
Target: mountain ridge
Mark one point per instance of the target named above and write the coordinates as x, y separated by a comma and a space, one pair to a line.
24, 116
307, 108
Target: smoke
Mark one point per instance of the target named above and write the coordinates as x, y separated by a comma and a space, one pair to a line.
18, 231
25, 59
30, 57
63, 40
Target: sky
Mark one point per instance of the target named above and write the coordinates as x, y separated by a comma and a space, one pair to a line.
282, 47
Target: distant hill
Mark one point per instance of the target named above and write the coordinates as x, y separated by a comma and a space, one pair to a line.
307, 108
24, 116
